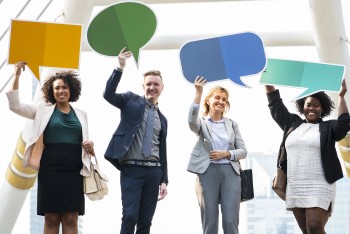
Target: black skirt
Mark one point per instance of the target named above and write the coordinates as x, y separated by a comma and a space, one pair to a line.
60, 184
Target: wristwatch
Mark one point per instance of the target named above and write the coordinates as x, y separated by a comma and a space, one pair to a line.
228, 155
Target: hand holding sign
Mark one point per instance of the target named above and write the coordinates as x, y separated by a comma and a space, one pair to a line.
45, 44
232, 57
313, 76
127, 24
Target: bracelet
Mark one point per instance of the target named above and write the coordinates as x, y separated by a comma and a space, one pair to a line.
228, 155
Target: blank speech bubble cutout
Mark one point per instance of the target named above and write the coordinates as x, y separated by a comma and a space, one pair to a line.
314, 77
227, 57
128, 24
45, 44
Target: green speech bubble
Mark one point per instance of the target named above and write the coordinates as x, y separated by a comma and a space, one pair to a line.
128, 24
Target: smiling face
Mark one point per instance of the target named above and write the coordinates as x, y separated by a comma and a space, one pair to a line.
153, 87
217, 103
312, 109
61, 91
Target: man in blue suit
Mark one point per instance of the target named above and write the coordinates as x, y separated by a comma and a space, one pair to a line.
141, 158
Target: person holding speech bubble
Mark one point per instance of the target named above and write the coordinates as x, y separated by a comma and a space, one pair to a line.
58, 147
138, 148
313, 164
215, 159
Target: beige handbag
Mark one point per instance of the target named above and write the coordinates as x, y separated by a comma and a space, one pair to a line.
95, 185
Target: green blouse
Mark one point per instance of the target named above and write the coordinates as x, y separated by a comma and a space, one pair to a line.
63, 128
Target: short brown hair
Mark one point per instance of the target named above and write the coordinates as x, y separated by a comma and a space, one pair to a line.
152, 73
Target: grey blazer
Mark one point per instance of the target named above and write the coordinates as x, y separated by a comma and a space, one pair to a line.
199, 159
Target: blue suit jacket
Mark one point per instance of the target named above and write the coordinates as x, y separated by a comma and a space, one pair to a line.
131, 107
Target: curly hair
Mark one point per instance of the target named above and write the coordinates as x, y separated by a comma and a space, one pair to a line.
70, 78
211, 93
325, 100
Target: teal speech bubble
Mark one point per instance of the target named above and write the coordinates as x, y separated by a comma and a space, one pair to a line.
127, 24
314, 77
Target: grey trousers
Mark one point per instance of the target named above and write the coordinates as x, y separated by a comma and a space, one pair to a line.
220, 186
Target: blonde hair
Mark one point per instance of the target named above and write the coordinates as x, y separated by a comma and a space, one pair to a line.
211, 93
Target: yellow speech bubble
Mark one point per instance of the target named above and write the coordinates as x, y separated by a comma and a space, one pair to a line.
45, 44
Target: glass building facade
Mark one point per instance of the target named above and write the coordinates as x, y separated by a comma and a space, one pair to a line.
266, 213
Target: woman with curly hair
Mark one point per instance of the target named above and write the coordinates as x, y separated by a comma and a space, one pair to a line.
59, 148
313, 164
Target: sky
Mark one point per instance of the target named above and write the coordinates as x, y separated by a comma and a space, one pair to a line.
179, 211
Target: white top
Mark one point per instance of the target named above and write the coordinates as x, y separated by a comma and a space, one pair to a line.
306, 183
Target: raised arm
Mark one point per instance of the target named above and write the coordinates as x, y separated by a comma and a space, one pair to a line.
193, 120
342, 107
15, 105
109, 93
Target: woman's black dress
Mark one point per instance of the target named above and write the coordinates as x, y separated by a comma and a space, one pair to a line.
60, 184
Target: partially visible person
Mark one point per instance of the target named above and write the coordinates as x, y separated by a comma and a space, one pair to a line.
63, 131
139, 154
313, 164
215, 159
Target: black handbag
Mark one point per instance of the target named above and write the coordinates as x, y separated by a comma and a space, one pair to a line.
247, 188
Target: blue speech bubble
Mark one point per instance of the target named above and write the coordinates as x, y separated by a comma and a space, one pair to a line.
227, 57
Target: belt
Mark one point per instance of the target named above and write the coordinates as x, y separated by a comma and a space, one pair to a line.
142, 163
220, 164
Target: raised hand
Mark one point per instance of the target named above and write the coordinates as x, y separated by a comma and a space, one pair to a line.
343, 88
199, 82
123, 55
342, 107
19, 66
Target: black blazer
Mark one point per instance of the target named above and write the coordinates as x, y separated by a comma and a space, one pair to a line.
131, 107
330, 132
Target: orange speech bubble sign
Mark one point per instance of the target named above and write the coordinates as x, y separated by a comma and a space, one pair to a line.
45, 44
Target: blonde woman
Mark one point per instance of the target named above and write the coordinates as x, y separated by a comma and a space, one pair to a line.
215, 159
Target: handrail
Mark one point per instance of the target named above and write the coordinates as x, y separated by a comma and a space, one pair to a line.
8, 28
18, 14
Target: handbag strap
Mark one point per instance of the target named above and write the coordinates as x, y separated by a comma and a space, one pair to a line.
90, 156
282, 156
240, 167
